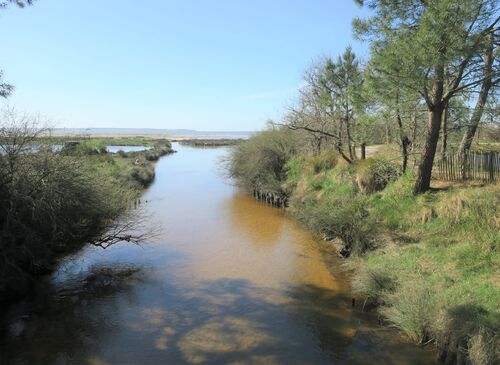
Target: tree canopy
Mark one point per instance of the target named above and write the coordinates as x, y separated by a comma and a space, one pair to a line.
434, 48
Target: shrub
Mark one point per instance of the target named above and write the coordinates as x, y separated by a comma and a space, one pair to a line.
374, 174
411, 308
293, 169
373, 282
484, 347
143, 175
49, 206
323, 162
122, 154
260, 162
344, 217
91, 147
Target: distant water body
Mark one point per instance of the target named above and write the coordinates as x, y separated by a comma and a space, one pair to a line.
150, 132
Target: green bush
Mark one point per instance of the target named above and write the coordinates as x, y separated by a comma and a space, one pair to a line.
374, 174
293, 169
144, 175
50, 205
91, 147
411, 308
373, 282
339, 216
260, 163
323, 162
122, 154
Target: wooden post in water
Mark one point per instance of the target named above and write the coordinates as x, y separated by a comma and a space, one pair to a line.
277, 201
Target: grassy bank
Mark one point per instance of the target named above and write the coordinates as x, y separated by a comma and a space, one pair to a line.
134, 169
435, 275
428, 263
52, 204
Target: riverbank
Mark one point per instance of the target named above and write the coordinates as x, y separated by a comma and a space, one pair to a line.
428, 263
54, 203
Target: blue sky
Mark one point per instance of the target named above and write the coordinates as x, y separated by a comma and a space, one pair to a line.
207, 65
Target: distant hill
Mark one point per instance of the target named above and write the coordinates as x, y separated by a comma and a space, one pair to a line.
151, 132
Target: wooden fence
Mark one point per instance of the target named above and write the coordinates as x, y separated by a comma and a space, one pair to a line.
469, 166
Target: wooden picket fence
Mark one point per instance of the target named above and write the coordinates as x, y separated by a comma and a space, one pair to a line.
484, 166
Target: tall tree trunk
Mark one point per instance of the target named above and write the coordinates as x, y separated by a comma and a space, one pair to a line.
405, 144
349, 142
444, 131
424, 176
481, 100
436, 107
363, 151
352, 155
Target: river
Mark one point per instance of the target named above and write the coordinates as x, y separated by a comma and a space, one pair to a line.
228, 280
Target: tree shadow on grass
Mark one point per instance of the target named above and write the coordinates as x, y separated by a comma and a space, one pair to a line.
460, 324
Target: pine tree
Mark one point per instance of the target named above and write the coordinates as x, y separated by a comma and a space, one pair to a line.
424, 38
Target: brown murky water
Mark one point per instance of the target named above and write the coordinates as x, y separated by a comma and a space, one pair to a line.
229, 281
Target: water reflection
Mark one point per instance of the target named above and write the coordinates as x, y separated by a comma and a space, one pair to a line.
61, 324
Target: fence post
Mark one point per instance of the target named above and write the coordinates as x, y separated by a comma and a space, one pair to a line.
490, 167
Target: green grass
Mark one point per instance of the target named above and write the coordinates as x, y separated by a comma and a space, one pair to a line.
124, 170
429, 262
451, 260
134, 169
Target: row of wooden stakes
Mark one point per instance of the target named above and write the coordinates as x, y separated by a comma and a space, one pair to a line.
272, 199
